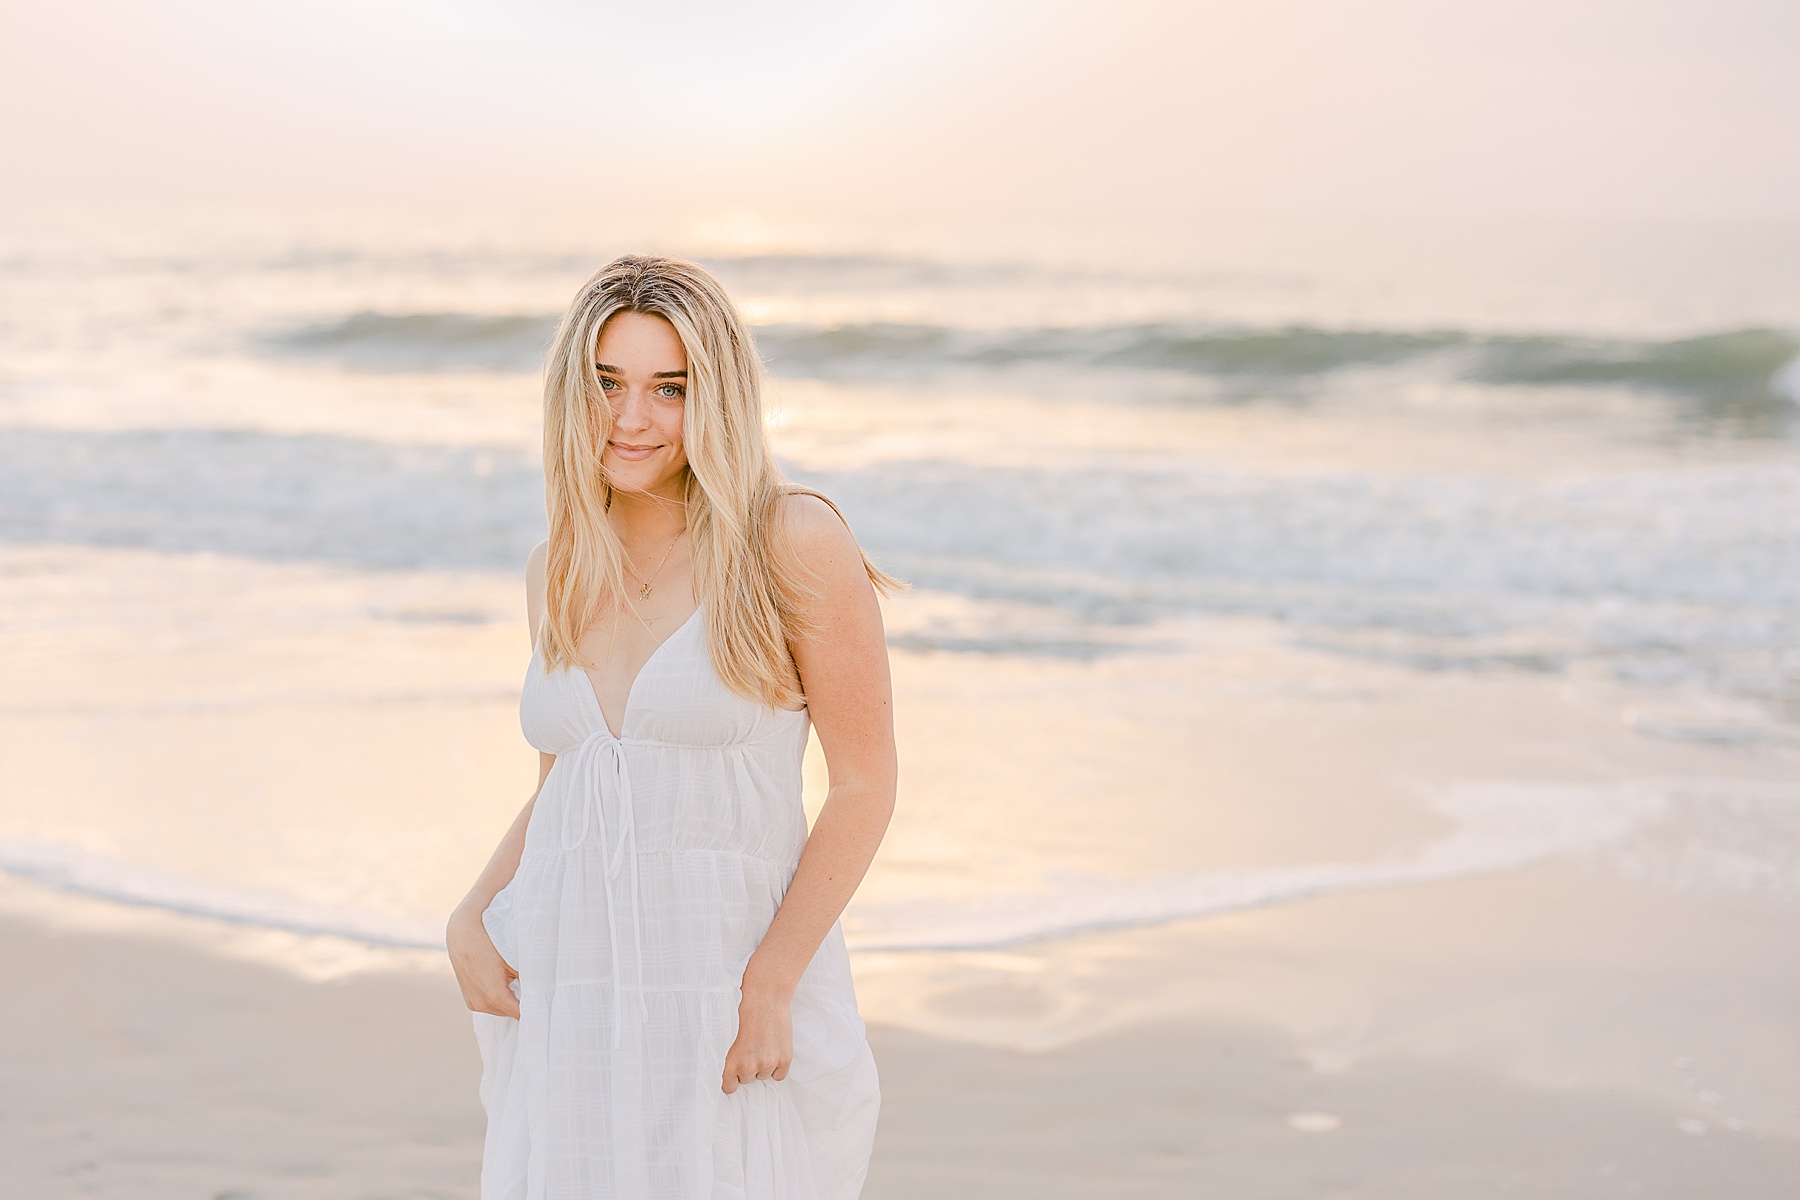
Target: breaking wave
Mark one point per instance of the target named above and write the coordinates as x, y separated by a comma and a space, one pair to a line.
1289, 351
1744, 370
370, 341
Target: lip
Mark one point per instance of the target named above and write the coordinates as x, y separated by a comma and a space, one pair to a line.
630, 452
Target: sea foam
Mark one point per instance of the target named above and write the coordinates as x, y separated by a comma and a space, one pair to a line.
1499, 826
70, 869
1686, 573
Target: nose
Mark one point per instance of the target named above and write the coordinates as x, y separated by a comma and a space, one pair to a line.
631, 410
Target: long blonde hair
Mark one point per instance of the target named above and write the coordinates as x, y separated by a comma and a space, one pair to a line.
745, 577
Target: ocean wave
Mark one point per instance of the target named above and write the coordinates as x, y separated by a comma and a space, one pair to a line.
285, 498
1748, 376
428, 341
1746, 371
1691, 574
1287, 351
1332, 549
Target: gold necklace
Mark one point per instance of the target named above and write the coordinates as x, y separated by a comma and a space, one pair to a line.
644, 590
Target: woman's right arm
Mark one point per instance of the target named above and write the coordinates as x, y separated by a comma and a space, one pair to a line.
481, 973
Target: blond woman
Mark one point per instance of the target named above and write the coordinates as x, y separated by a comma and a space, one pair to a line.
662, 994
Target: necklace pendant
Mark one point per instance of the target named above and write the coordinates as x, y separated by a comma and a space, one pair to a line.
644, 592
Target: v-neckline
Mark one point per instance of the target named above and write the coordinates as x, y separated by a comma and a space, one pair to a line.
631, 691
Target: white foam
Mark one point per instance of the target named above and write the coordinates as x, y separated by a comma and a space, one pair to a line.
73, 870
1502, 826
1787, 380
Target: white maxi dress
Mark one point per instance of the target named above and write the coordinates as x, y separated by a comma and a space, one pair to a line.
653, 864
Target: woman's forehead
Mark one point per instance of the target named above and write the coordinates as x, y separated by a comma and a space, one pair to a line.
633, 341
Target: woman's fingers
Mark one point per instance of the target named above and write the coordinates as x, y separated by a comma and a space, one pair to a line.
501, 1003
765, 1042
489, 993
488, 997
742, 1066
484, 977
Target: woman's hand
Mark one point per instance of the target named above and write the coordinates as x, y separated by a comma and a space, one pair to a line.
765, 1040
481, 973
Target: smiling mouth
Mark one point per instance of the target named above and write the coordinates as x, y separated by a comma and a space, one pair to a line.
627, 450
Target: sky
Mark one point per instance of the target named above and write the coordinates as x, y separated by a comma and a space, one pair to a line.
1385, 107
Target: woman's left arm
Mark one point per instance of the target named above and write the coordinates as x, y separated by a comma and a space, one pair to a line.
843, 669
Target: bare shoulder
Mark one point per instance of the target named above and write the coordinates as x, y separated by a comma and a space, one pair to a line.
817, 534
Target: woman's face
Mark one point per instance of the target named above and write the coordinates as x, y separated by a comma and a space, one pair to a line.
643, 374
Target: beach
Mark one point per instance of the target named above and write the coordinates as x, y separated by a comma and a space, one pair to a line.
1330, 1050
1347, 704
1563, 1022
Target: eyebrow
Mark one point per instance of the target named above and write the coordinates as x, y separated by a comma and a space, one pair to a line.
609, 369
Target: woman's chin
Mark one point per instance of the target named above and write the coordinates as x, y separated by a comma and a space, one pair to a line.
647, 478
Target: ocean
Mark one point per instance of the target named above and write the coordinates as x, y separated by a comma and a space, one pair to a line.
1177, 502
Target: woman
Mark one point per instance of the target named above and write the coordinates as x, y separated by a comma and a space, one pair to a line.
662, 992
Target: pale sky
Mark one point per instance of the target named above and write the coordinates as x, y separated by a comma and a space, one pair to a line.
1538, 107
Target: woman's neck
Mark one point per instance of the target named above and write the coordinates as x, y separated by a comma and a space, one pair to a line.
648, 516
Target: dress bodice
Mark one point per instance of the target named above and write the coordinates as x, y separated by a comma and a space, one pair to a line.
677, 699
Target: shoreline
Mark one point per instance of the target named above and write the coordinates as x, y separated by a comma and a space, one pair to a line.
1263, 1054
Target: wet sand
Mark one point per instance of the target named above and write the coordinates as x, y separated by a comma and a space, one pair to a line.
1334, 1048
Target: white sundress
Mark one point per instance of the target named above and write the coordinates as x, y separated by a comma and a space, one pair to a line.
653, 864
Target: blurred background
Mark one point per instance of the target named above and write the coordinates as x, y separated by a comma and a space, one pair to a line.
1348, 462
